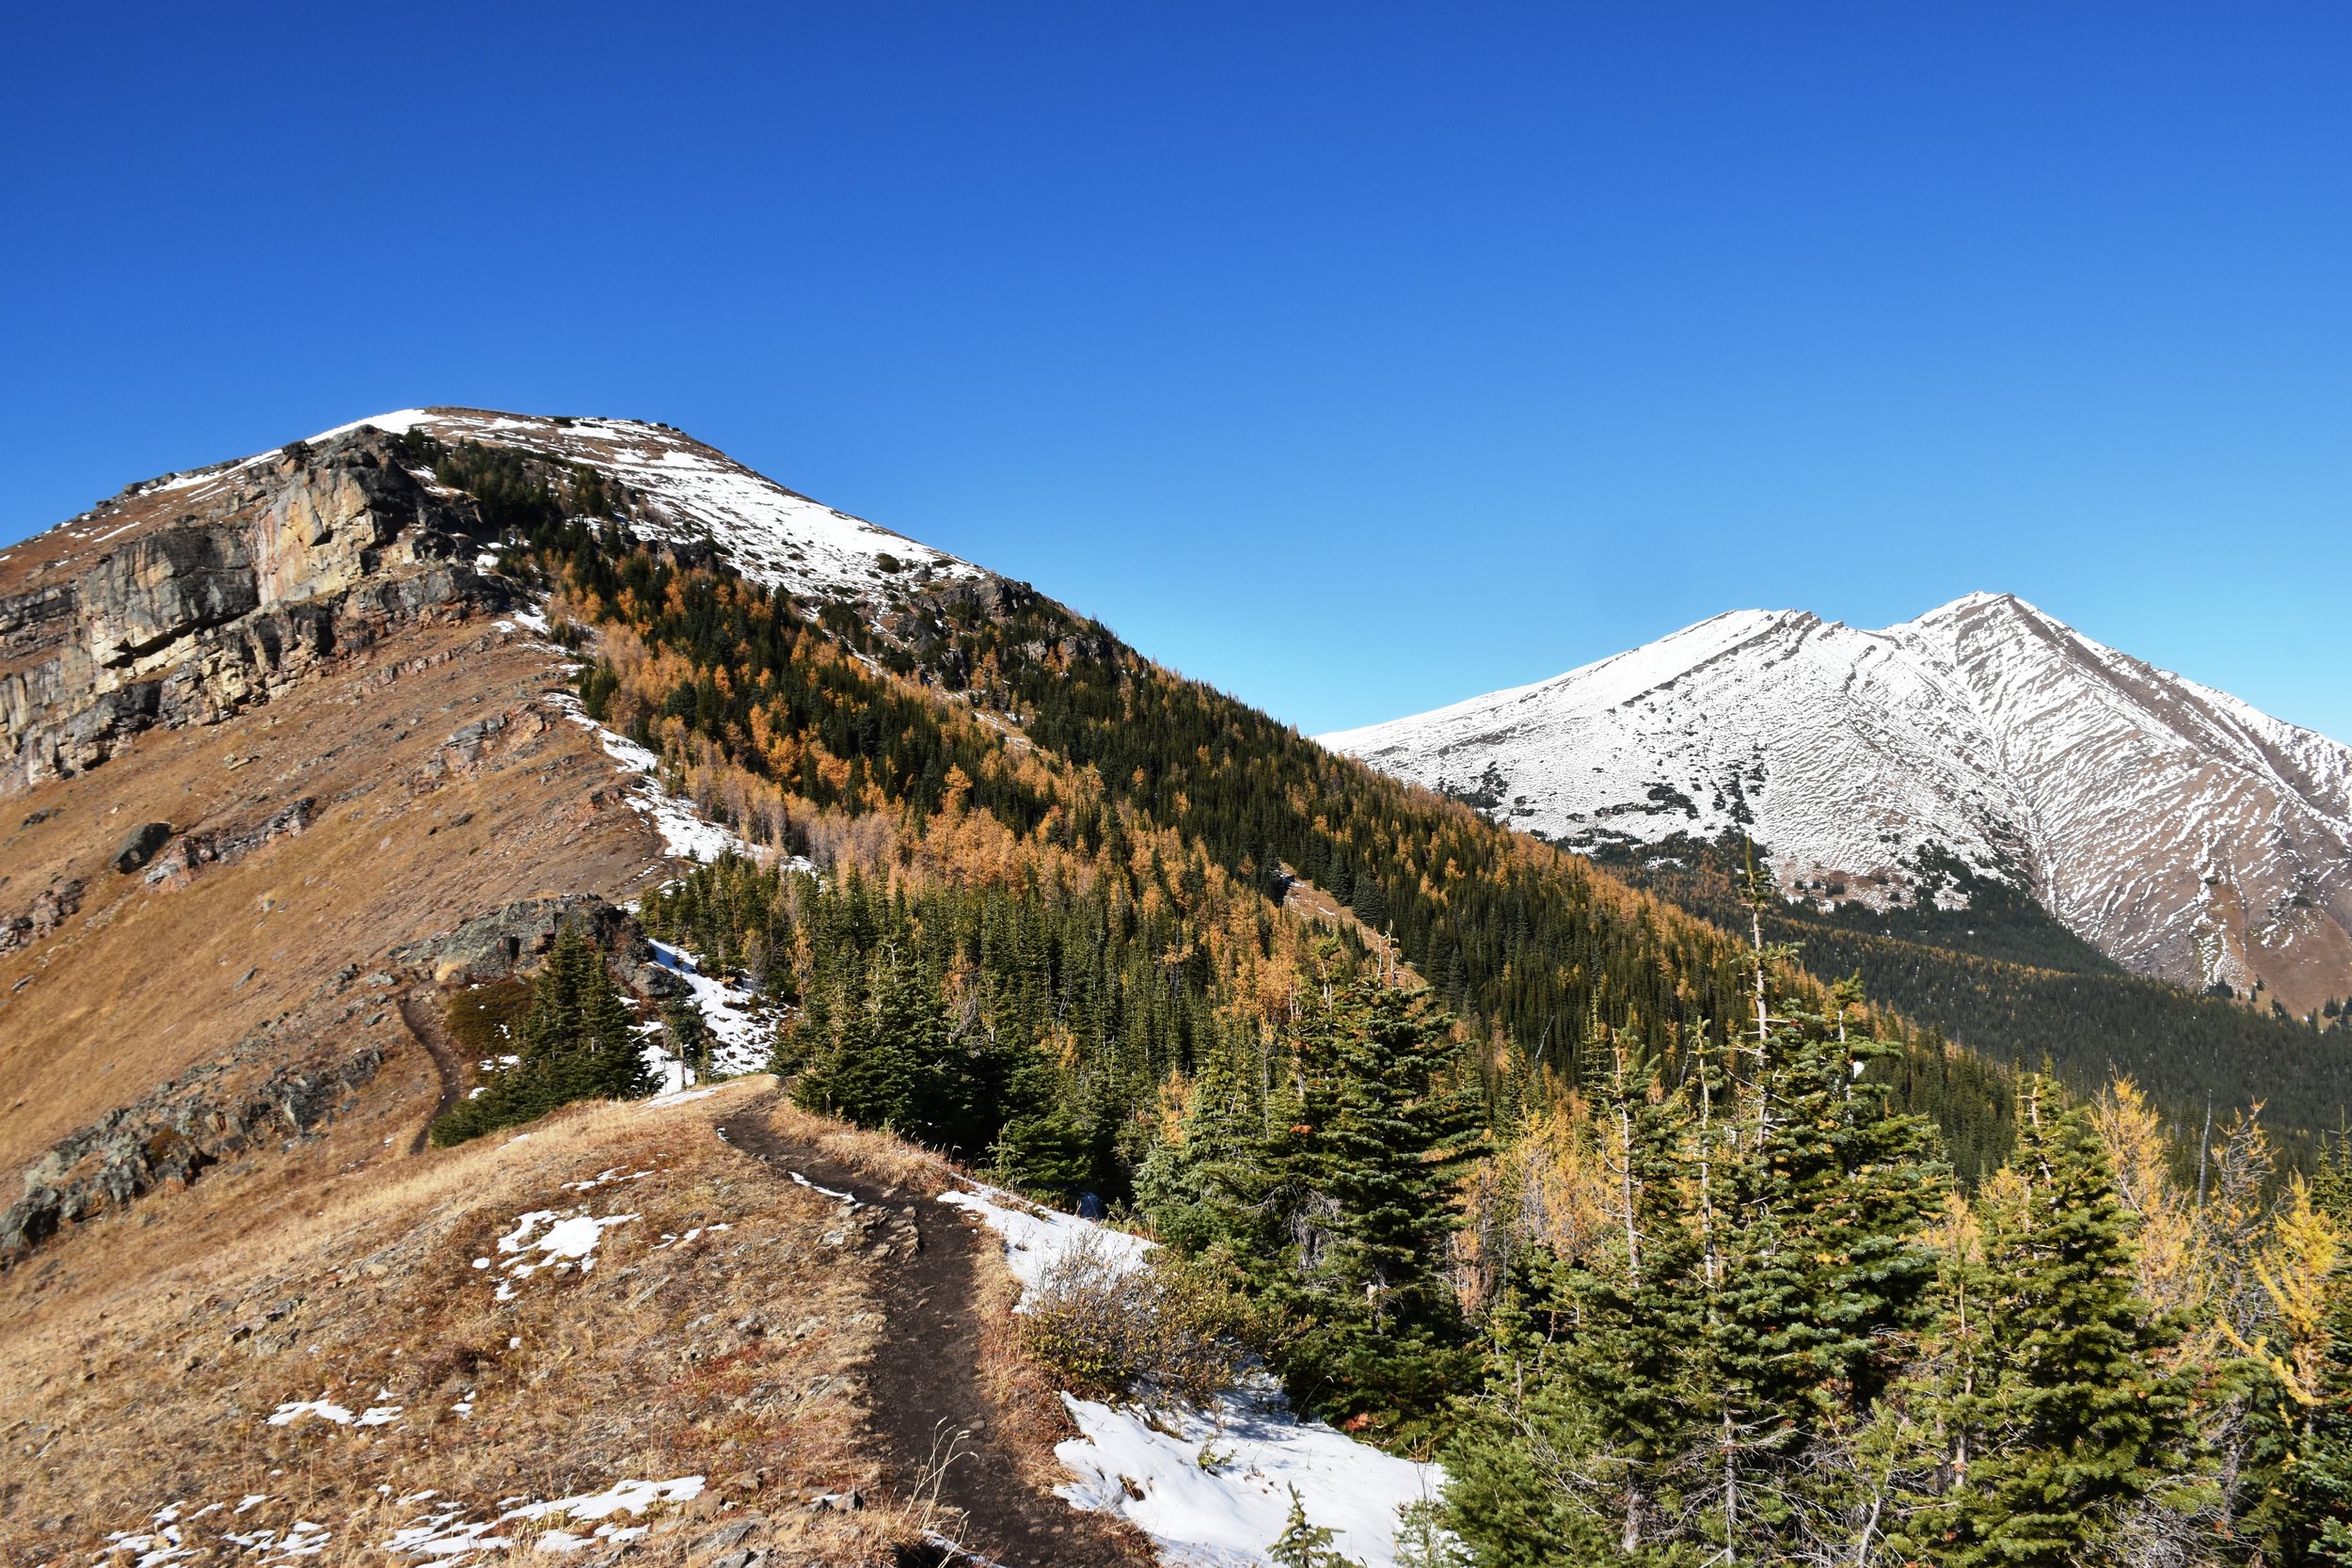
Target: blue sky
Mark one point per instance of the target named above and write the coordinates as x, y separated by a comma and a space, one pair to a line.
1358, 358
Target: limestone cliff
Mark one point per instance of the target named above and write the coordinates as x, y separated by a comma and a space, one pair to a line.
185, 600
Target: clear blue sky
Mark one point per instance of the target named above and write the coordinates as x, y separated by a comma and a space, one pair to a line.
1356, 357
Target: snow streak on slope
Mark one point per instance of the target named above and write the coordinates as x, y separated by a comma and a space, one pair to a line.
2184, 832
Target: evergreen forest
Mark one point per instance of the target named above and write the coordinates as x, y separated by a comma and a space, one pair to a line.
2007, 980
1675, 1246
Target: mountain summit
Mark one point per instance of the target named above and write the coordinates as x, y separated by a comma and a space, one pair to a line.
2187, 834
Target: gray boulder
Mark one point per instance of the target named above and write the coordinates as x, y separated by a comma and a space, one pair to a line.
139, 844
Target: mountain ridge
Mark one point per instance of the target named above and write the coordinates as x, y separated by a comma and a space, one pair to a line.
2181, 830
330, 747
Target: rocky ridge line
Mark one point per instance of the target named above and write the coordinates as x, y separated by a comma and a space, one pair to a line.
207, 596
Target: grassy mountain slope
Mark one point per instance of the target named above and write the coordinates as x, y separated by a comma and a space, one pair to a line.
1057, 884
715, 1335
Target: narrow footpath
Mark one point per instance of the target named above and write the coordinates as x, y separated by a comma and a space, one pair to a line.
925, 1387
422, 1011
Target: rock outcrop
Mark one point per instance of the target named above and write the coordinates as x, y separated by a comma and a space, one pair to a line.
209, 1114
138, 846
212, 590
179, 862
48, 911
507, 940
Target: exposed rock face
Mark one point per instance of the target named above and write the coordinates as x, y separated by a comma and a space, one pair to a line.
215, 589
212, 1113
507, 940
154, 590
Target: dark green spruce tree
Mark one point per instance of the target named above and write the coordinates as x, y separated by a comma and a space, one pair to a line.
2066, 1419
1367, 1133
866, 1070
578, 1043
1044, 1147
690, 1037
1821, 1282
1209, 1187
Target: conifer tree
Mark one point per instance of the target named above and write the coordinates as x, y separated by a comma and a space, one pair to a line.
1363, 1170
2301, 1411
1423, 1542
867, 1071
2069, 1417
1207, 1185
610, 1063
690, 1037
1815, 1280
1044, 1147
1302, 1544
1586, 1446
578, 1043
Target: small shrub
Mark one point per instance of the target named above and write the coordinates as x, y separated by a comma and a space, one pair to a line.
1108, 1329
1303, 1545
1421, 1542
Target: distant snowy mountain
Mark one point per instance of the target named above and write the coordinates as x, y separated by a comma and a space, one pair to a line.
2187, 834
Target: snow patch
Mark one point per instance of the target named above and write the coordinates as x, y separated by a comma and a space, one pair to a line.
740, 1040
1216, 1485
612, 1177
694, 494
685, 835
1212, 1489
828, 1192
324, 1409
446, 1531
567, 1242
1035, 1238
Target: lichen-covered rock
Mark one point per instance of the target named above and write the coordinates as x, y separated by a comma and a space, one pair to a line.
509, 940
210, 1113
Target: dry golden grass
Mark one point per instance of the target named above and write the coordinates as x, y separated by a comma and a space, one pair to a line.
1033, 1418
130, 1381
143, 982
893, 1161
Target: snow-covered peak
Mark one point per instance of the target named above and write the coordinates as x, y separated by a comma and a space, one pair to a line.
2184, 832
773, 536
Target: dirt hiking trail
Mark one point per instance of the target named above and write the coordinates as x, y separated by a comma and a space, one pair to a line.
927, 1396
422, 1011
